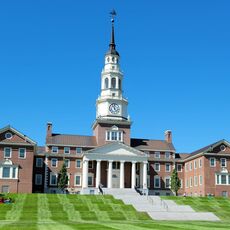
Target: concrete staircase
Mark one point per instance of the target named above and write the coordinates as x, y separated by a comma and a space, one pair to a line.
159, 209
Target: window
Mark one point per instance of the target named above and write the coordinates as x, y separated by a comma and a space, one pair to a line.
5, 189
195, 164
200, 180
38, 179
90, 180
223, 162
114, 136
157, 155
54, 162
179, 167
212, 161
8, 135
156, 181
167, 167
39, 162
157, 167
116, 165
187, 183
14, 172
223, 179
78, 150
119, 84
106, 83
113, 83
190, 181
54, 149
53, 179
195, 181
78, 180
90, 164
7, 152
200, 163
67, 163
66, 150
78, 163
186, 167
191, 166
181, 183
6, 172
22, 153
167, 155
167, 182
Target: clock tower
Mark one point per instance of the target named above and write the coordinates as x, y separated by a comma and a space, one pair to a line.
111, 107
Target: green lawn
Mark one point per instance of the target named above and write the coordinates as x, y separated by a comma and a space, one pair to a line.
69, 212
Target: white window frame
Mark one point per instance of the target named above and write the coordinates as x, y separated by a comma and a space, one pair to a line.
225, 161
8, 133
159, 167
37, 164
52, 150
180, 167
195, 181
181, 183
91, 165
155, 178
169, 155
78, 160
167, 164
5, 152
118, 135
78, 152
210, 160
24, 153
200, 179
191, 182
77, 175
195, 164
157, 155
90, 175
36, 179
190, 168
200, 163
167, 178
68, 164
186, 167
187, 183
53, 174
66, 148
52, 164
10, 171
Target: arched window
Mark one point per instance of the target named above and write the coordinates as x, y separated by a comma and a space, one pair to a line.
113, 83
119, 84
106, 83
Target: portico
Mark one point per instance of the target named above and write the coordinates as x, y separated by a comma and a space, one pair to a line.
120, 161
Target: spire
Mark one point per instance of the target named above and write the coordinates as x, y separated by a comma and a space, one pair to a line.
112, 46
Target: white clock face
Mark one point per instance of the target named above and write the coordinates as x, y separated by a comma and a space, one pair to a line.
114, 108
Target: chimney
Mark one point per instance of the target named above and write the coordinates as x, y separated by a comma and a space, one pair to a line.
168, 136
49, 129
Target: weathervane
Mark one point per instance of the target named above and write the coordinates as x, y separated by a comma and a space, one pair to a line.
113, 14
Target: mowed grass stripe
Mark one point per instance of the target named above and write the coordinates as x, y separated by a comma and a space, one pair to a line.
44, 213
30, 208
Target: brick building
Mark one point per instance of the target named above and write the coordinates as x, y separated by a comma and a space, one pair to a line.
110, 156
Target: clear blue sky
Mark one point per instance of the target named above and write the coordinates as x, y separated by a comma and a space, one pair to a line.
175, 56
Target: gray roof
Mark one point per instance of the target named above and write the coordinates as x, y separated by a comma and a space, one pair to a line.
74, 140
146, 144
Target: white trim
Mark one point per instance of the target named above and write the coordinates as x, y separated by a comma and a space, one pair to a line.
195, 181
68, 152
76, 163
10, 152
169, 167
180, 166
225, 165
159, 167
8, 133
169, 155
200, 179
200, 163
68, 164
53, 148
214, 162
157, 155
24, 153
53, 174
167, 178
56, 162
191, 182
195, 164
75, 175
155, 178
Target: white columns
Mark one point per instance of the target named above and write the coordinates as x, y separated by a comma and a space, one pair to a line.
122, 174
133, 181
145, 174
141, 174
85, 174
109, 175
98, 173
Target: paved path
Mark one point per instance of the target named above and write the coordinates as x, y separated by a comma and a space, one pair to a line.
159, 209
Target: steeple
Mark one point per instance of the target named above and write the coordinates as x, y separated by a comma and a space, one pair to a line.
112, 45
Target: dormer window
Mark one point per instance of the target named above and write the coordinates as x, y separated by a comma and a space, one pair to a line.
54, 149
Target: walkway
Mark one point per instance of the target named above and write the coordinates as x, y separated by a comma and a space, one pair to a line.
159, 209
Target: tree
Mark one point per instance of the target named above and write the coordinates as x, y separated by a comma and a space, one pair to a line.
63, 178
175, 182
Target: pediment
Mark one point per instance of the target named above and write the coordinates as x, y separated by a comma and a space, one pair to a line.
9, 135
221, 147
116, 150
